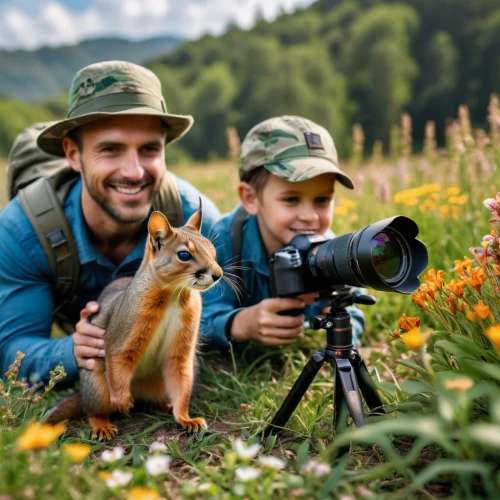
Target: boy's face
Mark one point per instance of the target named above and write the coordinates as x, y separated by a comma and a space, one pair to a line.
285, 209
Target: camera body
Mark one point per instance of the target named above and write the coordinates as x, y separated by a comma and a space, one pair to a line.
289, 276
385, 256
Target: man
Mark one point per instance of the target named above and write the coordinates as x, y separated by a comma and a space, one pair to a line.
114, 137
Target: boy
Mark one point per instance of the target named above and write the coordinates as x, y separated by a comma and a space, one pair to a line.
288, 168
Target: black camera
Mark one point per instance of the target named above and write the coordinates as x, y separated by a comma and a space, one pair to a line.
385, 256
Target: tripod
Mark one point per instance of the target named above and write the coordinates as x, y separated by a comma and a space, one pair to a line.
350, 372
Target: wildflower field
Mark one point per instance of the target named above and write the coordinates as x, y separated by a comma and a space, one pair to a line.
435, 357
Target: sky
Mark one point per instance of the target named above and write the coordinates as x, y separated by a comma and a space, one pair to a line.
29, 24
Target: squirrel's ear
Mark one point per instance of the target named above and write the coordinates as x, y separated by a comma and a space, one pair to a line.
159, 230
196, 219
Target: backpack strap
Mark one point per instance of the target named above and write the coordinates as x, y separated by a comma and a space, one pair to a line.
44, 210
236, 235
168, 200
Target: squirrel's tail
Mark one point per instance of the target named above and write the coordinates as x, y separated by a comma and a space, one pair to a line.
66, 409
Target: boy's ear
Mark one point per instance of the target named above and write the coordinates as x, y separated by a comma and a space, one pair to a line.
248, 198
72, 153
159, 230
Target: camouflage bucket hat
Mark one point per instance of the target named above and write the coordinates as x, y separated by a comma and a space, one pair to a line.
112, 88
293, 148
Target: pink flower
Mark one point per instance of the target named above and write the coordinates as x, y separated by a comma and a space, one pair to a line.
493, 205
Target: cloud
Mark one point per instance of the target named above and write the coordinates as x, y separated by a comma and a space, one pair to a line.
31, 23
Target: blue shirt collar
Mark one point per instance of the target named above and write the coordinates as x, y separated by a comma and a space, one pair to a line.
87, 251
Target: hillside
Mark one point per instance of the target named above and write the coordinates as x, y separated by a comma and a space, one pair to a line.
44, 73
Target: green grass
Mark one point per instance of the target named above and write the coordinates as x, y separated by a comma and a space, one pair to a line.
239, 396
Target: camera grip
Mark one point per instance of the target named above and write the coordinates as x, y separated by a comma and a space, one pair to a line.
291, 312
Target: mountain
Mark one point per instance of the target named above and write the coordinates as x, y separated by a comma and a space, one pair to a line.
33, 76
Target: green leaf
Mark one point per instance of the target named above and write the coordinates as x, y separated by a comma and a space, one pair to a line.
334, 477
269, 444
415, 387
410, 363
302, 453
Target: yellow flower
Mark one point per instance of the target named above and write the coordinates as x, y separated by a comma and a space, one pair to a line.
346, 202
482, 310
141, 493
38, 436
104, 474
427, 205
493, 333
414, 339
452, 191
459, 384
457, 200
77, 451
444, 210
341, 210
455, 212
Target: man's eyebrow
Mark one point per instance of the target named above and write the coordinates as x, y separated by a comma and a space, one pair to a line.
153, 142
107, 144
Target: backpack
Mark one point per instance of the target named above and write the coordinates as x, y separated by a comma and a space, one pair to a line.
42, 183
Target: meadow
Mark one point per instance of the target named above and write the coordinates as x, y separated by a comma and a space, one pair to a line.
434, 356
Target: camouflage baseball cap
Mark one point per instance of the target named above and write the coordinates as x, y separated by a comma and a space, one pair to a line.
112, 88
293, 148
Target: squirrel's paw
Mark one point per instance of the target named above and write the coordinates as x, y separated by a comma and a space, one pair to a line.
192, 424
122, 404
104, 433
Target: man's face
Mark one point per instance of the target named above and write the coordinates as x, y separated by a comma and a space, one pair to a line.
285, 209
122, 164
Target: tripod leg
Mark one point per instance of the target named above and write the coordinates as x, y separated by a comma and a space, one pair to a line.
345, 373
296, 393
366, 384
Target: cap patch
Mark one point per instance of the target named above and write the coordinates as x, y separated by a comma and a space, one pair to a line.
313, 140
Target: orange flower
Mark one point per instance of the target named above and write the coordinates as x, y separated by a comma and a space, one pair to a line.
452, 304
463, 267
408, 324
482, 310
459, 384
456, 287
476, 278
415, 339
471, 315
141, 493
419, 299
435, 278
493, 333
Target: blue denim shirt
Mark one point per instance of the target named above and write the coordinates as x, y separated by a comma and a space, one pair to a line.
26, 302
220, 303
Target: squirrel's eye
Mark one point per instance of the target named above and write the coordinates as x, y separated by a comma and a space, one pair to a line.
184, 256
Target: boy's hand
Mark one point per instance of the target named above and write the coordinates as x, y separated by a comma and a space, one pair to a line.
88, 339
263, 324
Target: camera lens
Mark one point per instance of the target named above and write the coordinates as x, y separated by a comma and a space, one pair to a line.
387, 255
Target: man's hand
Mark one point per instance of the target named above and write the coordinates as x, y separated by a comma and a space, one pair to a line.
88, 339
263, 324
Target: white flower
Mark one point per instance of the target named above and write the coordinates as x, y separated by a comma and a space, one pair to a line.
247, 473
245, 452
317, 468
157, 464
272, 462
119, 478
113, 455
157, 446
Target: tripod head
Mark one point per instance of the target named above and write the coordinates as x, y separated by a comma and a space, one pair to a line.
337, 322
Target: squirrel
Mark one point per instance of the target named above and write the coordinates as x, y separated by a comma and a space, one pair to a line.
151, 324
